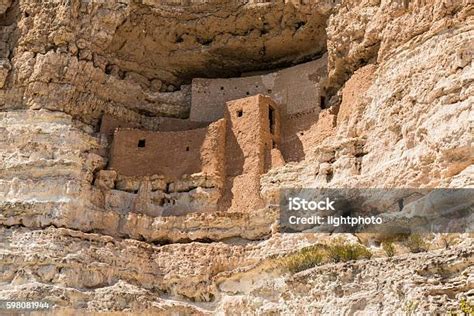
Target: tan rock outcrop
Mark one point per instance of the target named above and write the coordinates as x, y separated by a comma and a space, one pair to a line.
398, 113
4, 5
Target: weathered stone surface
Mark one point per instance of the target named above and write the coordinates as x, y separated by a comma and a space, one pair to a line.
47, 175
362, 32
92, 272
403, 122
4, 5
4, 70
432, 283
400, 77
129, 57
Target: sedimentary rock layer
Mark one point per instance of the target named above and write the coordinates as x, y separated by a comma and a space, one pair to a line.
400, 97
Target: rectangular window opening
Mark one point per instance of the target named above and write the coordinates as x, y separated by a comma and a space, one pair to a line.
271, 119
141, 143
323, 102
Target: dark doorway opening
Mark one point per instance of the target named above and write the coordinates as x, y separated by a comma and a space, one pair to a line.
323, 102
271, 119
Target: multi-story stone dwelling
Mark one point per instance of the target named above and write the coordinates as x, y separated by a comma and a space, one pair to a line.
238, 129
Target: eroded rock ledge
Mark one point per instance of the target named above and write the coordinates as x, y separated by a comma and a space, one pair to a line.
399, 114
84, 58
91, 272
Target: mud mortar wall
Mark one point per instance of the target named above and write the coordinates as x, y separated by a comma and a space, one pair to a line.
248, 151
171, 154
110, 123
297, 89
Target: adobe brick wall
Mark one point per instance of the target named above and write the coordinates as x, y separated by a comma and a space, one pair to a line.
213, 156
303, 132
226, 159
294, 128
248, 151
295, 89
169, 124
171, 154
110, 123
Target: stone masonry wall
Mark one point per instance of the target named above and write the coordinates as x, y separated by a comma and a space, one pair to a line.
297, 89
172, 154
110, 123
248, 151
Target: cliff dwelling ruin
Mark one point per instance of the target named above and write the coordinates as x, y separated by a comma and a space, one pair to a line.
237, 130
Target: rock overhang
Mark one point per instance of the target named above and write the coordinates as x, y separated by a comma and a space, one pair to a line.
178, 41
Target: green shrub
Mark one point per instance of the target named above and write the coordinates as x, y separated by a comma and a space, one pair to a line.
416, 243
346, 252
466, 308
410, 307
306, 258
394, 237
388, 248
315, 255
449, 239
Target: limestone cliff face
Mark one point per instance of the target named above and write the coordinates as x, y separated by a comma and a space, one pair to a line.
85, 57
400, 114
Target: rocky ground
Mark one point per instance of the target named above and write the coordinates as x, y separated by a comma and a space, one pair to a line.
401, 85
